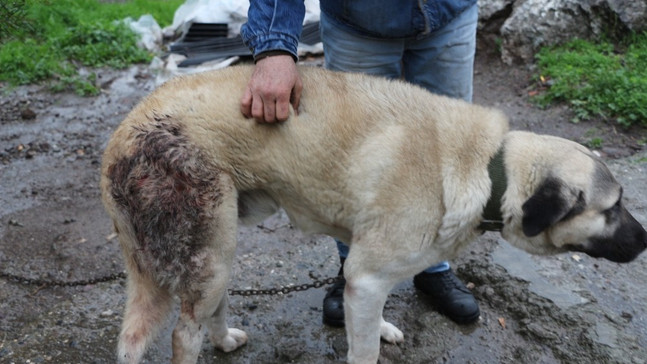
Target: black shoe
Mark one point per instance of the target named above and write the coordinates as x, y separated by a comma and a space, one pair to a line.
450, 295
333, 303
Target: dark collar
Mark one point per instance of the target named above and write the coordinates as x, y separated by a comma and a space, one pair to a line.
492, 217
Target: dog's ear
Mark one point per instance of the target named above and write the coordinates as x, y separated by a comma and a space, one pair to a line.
551, 202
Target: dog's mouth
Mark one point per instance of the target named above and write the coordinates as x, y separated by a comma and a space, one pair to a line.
619, 253
582, 249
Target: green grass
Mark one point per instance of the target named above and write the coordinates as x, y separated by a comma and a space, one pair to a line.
598, 80
51, 39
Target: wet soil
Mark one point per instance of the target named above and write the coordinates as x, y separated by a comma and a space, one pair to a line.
564, 309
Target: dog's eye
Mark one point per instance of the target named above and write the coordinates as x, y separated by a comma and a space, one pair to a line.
618, 204
615, 208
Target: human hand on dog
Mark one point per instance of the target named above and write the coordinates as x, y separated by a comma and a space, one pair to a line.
275, 83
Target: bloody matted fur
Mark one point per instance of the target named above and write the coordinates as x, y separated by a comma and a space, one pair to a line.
400, 174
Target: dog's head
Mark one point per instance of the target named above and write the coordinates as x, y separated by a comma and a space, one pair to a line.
577, 205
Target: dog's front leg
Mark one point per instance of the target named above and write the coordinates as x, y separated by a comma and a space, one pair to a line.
364, 299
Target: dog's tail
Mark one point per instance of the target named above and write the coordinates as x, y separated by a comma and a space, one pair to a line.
164, 192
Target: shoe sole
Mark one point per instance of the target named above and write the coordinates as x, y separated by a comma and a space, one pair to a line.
461, 320
333, 322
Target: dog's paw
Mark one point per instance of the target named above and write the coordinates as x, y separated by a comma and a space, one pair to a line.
390, 333
233, 340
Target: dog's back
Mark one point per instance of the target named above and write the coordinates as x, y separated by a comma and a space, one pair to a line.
348, 129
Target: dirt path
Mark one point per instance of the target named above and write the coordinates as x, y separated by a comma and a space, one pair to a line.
570, 309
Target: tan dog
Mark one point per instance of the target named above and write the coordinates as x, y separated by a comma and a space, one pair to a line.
399, 173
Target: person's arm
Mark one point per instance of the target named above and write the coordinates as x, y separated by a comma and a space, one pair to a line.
272, 33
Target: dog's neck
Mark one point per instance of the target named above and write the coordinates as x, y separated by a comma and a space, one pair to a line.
492, 217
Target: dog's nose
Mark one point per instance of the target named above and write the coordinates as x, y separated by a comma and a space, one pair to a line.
641, 240
641, 236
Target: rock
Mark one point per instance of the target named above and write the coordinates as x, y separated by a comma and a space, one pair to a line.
28, 114
524, 26
631, 13
541, 332
491, 8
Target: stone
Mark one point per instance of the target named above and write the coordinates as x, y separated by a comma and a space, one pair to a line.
524, 26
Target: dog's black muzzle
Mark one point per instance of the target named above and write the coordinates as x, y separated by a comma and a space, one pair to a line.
627, 242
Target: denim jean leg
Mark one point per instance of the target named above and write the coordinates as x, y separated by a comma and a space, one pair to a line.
348, 52
342, 249
440, 267
443, 62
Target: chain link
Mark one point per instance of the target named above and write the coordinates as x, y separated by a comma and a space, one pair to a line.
285, 289
57, 283
46, 283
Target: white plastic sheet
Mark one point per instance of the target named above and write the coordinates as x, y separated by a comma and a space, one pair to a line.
150, 33
232, 12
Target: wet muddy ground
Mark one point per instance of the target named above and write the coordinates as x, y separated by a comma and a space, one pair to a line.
564, 309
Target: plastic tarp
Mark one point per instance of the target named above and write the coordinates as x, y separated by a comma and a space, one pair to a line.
217, 52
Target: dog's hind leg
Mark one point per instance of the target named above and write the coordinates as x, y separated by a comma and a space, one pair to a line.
189, 331
204, 295
222, 337
147, 308
204, 312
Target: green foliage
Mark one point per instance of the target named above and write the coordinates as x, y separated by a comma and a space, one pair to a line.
102, 44
595, 143
12, 13
28, 62
58, 37
601, 79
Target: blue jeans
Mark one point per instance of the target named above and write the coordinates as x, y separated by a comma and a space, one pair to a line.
442, 62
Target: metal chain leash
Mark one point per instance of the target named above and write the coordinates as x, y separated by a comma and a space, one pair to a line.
285, 289
47, 283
